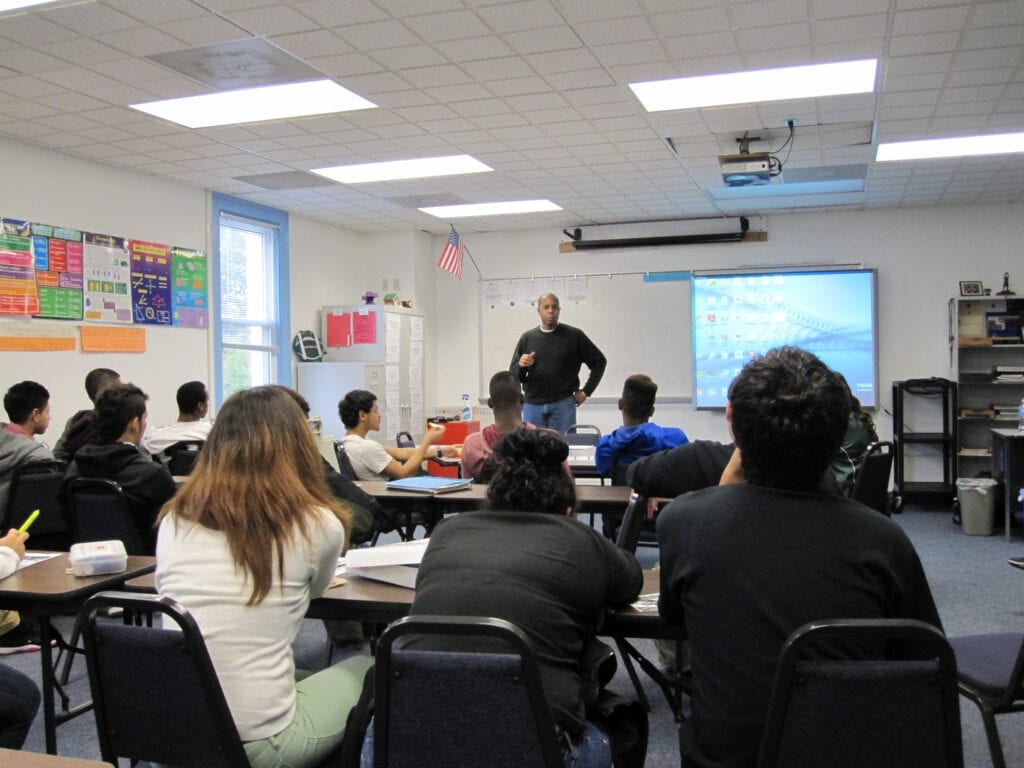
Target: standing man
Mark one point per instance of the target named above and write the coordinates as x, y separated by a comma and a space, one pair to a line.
547, 361
744, 564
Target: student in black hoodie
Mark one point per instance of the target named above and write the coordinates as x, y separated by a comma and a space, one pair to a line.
81, 428
120, 423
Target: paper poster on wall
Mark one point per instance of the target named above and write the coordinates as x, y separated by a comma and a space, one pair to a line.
339, 329
392, 338
151, 282
96, 338
190, 288
57, 255
17, 278
107, 272
364, 327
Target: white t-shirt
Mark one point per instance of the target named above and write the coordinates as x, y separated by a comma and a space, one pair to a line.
368, 457
158, 439
250, 645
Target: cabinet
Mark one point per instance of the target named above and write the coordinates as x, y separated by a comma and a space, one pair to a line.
990, 375
926, 393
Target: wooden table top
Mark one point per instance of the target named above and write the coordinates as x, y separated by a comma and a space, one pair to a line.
10, 758
596, 497
50, 580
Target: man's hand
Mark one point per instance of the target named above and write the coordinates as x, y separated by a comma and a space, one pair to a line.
525, 361
15, 541
733, 472
580, 397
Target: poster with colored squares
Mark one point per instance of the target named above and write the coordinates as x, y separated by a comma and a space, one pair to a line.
57, 254
190, 288
17, 277
151, 282
107, 273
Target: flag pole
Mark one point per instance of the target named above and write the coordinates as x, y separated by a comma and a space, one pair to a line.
465, 248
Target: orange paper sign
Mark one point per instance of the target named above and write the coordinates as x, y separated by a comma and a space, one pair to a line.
98, 338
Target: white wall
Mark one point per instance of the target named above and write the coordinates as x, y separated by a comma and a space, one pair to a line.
920, 255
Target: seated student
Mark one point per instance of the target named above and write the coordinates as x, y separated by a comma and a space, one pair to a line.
505, 399
193, 405
19, 696
81, 428
370, 460
637, 436
689, 467
120, 423
28, 408
860, 433
527, 560
251, 537
745, 564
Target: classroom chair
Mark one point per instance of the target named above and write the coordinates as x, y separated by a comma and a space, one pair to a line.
582, 434
155, 691
488, 707
182, 456
98, 511
991, 672
901, 711
871, 486
35, 485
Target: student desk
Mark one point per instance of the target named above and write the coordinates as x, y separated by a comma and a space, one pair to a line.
10, 758
591, 499
1008, 466
44, 590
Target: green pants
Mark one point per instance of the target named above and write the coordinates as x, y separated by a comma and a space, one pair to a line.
322, 703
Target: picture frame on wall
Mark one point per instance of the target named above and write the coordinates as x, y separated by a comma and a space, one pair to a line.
971, 288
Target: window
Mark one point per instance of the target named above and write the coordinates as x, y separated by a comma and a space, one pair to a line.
251, 273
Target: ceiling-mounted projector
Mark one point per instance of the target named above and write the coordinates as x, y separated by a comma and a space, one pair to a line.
746, 169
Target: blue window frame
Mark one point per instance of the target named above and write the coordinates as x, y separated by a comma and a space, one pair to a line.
250, 269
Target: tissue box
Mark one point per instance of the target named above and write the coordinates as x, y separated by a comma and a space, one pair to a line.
92, 558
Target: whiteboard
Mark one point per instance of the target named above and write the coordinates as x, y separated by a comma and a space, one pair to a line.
640, 326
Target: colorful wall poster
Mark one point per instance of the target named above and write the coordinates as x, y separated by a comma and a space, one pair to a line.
190, 288
107, 272
57, 254
17, 278
151, 282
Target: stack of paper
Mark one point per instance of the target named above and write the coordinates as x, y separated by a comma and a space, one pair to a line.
394, 563
429, 484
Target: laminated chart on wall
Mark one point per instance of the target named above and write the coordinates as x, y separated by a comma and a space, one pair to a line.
151, 282
190, 288
57, 254
107, 271
17, 277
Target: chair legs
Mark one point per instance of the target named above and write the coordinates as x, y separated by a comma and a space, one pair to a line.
988, 717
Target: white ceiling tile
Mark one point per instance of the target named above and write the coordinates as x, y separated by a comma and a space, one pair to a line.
688, 23
272, 20
213, 30
562, 61
700, 46
518, 16
32, 29
930, 20
311, 44
555, 38
407, 57
331, 13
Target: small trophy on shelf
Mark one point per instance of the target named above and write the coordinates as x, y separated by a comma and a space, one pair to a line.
1006, 286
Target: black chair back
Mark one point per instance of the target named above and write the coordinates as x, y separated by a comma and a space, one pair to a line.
404, 440
182, 456
344, 465
582, 434
479, 690
628, 535
894, 706
99, 511
36, 485
155, 691
871, 487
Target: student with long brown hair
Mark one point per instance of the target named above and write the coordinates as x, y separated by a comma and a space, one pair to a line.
250, 538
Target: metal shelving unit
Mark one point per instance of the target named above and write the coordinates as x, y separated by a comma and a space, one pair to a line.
944, 392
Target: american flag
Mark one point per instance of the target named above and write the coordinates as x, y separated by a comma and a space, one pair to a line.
451, 254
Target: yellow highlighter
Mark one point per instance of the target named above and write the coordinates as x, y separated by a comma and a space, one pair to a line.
31, 519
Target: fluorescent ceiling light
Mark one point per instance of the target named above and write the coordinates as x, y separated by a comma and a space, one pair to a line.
422, 168
758, 86
963, 146
250, 105
490, 209
10, 5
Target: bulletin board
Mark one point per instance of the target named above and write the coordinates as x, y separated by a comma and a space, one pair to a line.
641, 322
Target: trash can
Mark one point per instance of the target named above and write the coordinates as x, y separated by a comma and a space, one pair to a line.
977, 497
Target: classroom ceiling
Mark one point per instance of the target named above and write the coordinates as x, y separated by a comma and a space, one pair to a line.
536, 89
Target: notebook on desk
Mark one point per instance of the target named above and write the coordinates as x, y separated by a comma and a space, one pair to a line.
429, 484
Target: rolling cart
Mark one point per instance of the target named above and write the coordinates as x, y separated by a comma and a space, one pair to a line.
943, 392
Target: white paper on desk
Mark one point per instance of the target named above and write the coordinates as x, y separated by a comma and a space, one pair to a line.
31, 558
340, 567
647, 603
393, 563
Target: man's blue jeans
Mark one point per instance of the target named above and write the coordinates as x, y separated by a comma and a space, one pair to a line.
558, 415
19, 700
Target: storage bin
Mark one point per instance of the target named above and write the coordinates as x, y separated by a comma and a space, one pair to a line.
92, 558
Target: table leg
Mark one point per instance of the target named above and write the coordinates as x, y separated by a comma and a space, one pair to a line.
49, 685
